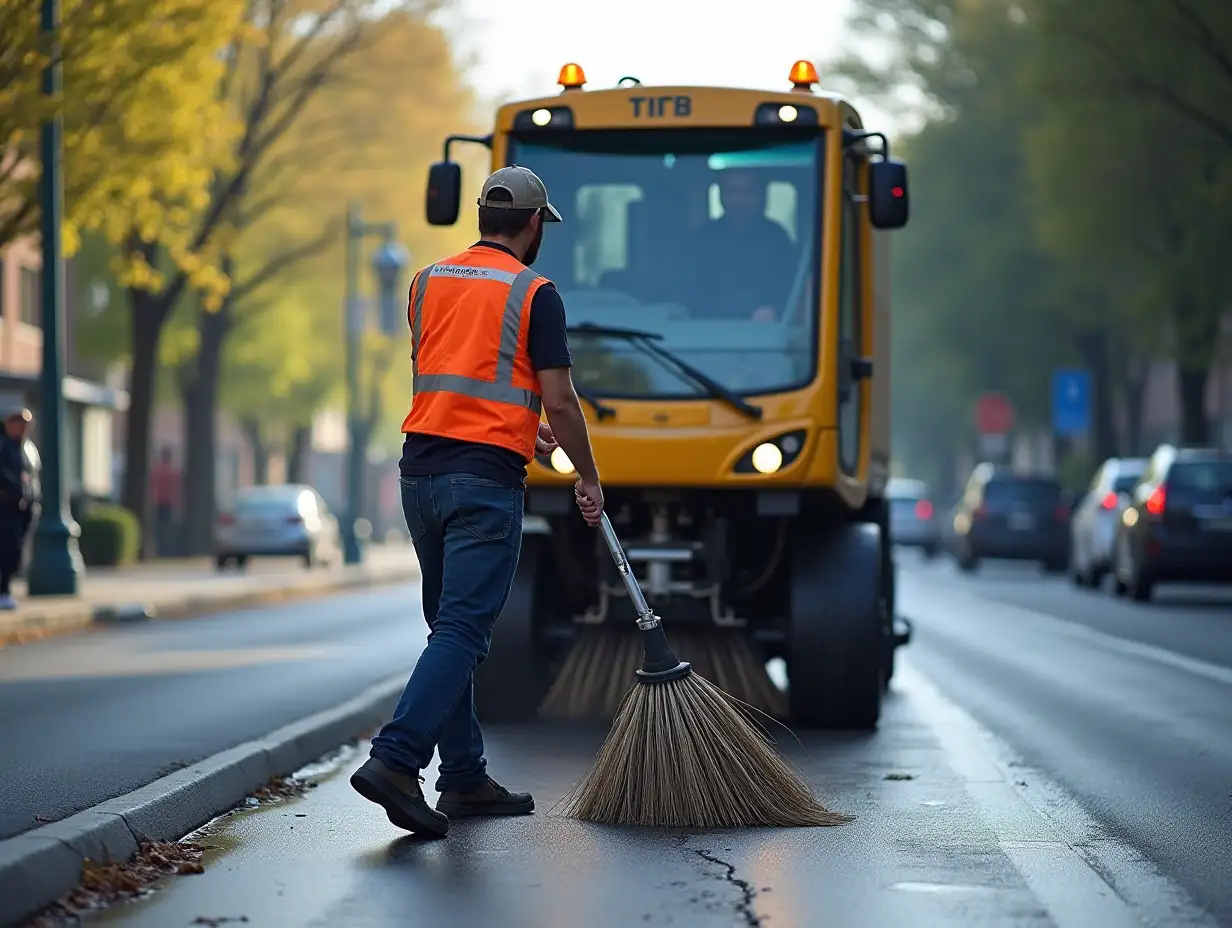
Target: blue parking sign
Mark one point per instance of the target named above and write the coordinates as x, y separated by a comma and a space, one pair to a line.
1071, 403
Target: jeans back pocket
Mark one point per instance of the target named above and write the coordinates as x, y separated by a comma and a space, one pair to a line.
486, 508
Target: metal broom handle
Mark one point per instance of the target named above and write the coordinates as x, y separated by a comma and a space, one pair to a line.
645, 618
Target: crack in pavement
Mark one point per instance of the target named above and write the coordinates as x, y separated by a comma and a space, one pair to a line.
747, 892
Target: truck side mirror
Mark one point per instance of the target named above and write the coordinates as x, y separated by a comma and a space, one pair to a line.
888, 201
444, 193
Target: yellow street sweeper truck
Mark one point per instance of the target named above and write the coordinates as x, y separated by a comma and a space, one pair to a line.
725, 275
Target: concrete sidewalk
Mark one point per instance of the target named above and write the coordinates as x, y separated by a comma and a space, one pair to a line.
179, 588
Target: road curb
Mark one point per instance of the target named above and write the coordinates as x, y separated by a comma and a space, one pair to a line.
191, 606
39, 866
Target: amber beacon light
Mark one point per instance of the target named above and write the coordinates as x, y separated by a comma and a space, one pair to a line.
803, 75
572, 77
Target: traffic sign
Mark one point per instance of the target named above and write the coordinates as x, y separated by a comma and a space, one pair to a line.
1071, 403
994, 414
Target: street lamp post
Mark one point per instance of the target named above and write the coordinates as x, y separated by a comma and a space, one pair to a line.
55, 561
388, 262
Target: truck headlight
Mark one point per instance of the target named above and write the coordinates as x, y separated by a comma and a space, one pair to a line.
560, 462
771, 456
767, 458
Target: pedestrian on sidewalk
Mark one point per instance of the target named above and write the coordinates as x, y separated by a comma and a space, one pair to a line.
18, 499
166, 487
489, 355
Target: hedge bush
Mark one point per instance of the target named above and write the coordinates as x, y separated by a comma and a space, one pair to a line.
110, 536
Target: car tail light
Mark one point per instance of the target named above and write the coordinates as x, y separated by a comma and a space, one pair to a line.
1155, 502
1110, 501
225, 518
924, 510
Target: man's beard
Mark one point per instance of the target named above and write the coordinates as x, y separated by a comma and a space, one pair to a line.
533, 251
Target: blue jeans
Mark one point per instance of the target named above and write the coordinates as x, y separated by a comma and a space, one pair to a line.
467, 532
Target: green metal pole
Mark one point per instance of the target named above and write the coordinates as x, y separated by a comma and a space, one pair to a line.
55, 563
351, 552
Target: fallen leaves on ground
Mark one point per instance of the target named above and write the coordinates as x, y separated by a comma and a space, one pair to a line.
282, 788
899, 776
105, 884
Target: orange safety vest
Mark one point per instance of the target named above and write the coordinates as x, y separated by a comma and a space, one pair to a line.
470, 325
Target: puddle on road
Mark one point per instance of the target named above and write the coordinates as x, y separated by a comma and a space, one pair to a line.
939, 888
222, 835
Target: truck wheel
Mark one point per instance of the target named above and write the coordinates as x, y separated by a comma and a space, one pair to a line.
837, 632
512, 680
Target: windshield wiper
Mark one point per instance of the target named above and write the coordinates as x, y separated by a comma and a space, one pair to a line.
650, 339
589, 328
602, 410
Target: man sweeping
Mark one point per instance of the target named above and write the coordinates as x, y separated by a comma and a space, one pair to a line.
489, 355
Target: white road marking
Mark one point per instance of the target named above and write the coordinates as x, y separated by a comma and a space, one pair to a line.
1083, 876
1150, 652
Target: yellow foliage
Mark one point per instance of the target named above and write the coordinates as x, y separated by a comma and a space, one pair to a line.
143, 128
367, 135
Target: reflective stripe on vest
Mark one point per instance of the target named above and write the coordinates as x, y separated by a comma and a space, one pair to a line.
500, 390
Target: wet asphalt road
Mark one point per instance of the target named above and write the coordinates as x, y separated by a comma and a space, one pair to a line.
89, 717
1126, 706
1070, 759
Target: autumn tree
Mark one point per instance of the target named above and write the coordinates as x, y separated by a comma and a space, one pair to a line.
132, 70
975, 298
360, 136
1133, 167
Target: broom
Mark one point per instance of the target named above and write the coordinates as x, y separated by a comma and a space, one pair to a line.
593, 680
682, 753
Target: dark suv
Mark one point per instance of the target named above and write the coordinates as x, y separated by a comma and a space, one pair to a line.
1012, 516
1178, 525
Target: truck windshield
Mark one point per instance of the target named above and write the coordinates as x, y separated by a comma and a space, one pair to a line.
707, 238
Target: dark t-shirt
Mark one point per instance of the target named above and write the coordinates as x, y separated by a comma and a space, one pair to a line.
425, 455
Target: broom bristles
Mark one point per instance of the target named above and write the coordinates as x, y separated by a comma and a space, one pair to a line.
594, 678
683, 754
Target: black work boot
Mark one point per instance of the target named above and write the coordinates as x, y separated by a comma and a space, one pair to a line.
489, 799
401, 797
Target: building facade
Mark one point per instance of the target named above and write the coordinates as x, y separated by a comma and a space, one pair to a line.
91, 405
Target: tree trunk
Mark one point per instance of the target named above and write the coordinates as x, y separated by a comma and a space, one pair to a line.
1094, 350
1197, 345
200, 392
1135, 408
260, 451
1191, 383
297, 459
147, 315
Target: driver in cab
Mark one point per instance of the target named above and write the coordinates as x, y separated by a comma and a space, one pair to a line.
749, 258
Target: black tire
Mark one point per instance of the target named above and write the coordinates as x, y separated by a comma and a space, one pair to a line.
240, 561
888, 606
837, 630
512, 680
968, 563
1139, 587
221, 562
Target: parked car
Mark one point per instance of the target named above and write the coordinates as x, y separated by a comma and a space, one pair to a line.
291, 520
1177, 527
914, 521
1011, 516
1093, 528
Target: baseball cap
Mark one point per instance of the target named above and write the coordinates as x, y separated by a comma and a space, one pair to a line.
524, 187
